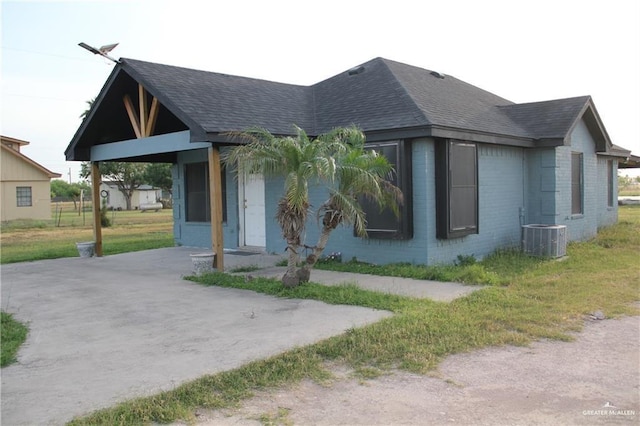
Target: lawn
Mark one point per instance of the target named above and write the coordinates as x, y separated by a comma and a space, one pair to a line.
26, 240
14, 334
531, 299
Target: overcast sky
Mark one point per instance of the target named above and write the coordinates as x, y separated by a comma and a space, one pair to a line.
521, 50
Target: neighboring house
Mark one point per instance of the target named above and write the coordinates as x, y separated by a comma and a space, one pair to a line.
25, 184
473, 166
143, 195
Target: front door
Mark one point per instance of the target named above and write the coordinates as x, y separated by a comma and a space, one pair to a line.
252, 211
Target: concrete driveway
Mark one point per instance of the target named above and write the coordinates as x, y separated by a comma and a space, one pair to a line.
104, 330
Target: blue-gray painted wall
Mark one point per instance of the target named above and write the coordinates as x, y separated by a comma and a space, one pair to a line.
607, 215
501, 180
549, 189
198, 234
595, 209
516, 186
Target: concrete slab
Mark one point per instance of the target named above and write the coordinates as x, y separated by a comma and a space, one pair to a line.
104, 330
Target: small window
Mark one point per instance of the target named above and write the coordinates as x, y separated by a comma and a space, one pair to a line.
385, 224
610, 180
576, 183
197, 203
456, 189
23, 196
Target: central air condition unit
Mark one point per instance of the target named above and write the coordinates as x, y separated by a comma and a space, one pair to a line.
544, 240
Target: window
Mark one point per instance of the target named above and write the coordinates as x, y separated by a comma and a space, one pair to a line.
23, 196
610, 189
576, 183
197, 204
456, 189
385, 224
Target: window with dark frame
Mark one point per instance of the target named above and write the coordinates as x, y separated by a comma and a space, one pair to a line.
384, 224
576, 183
197, 199
610, 188
456, 189
23, 196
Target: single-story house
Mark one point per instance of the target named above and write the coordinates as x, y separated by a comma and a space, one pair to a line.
474, 167
24, 184
143, 195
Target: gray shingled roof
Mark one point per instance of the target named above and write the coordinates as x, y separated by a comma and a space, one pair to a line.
378, 96
548, 119
383, 95
221, 102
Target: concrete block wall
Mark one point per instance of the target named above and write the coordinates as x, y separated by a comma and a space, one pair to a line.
607, 215
198, 234
542, 193
382, 251
585, 225
501, 180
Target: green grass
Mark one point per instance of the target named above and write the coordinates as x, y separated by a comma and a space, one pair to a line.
65, 247
533, 299
475, 273
347, 294
14, 333
26, 240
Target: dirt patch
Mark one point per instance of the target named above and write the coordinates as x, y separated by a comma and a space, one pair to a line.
592, 380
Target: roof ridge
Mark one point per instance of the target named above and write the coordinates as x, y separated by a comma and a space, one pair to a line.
417, 111
198, 70
585, 97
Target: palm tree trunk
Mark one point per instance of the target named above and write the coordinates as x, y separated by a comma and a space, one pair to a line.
290, 278
312, 259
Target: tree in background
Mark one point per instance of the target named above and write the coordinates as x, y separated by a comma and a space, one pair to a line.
127, 176
85, 113
158, 175
60, 188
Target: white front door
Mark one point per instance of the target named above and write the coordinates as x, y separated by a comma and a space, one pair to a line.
252, 217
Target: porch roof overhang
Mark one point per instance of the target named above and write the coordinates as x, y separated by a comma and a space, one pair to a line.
157, 148
108, 123
630, 162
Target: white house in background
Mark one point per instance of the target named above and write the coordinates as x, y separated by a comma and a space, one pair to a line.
25, 186
144, 195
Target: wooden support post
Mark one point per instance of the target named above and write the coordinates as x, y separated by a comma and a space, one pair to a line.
95, 201
133, 115
153, 116
215, 196
144, 113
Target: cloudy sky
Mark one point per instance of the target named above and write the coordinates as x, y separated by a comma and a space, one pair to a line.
521, 50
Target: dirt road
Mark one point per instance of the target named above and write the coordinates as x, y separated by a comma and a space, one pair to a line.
592, 380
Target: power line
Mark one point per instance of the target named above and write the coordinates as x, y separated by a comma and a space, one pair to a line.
40, 97
55, 55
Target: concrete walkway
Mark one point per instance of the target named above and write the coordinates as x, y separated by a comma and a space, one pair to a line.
104, 330
434, 290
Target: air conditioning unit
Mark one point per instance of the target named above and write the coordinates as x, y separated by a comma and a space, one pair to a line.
544, 240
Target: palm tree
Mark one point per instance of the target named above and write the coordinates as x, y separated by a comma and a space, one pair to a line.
360, 174
89, 103
337, 160
299, 160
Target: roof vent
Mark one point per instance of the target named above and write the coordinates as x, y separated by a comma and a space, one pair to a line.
437, 74
356, 70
